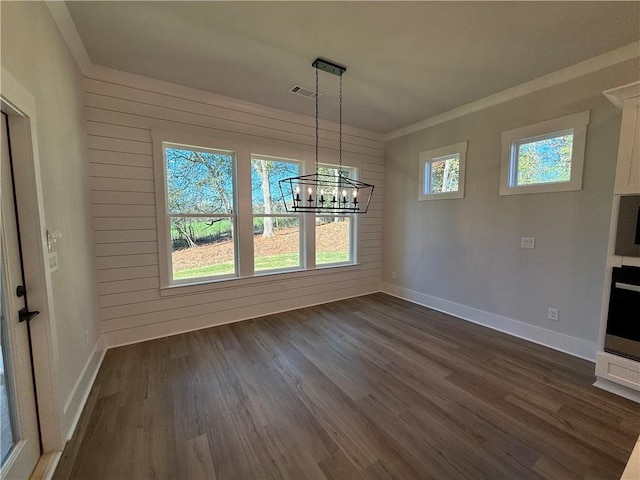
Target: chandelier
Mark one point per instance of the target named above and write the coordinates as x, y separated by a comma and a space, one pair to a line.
324, 193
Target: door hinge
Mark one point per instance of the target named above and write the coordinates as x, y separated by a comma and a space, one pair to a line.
25, 315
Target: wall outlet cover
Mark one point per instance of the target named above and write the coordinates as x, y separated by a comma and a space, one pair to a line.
553, 314
527, 242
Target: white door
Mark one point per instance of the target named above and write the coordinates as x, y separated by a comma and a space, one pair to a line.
19, 435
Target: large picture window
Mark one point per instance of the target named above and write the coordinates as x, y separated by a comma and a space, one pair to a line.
276, 234
222, 216
200, 204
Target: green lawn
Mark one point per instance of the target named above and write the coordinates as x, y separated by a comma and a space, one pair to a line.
262, 263
204, 228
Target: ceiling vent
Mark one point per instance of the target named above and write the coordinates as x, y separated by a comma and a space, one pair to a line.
304, 92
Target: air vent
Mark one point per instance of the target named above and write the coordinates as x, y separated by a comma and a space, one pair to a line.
304, 92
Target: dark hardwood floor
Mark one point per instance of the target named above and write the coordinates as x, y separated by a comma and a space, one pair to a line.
372, 387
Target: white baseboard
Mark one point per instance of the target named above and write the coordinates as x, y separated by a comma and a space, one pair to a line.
617, 389
78, 397
558, 341
143, 333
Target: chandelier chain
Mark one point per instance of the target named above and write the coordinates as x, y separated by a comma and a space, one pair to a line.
340, 134
317, 94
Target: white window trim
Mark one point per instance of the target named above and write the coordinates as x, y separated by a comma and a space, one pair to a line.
162, 208
429, 156
244, 151
577, 122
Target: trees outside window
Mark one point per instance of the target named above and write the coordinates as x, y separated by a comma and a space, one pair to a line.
442, 172
544, 157
277, 234
200, 221
200, 202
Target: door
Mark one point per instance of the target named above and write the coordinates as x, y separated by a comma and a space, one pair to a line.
19, 436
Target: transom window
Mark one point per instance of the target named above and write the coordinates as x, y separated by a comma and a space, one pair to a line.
442, 172
544, 157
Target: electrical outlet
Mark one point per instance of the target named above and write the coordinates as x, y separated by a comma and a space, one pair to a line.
53, 261
553, 314
527, 242
393, 275
86, 337
283, 287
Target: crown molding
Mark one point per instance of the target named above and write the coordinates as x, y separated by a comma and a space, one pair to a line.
62, 18
622, 54
618, 95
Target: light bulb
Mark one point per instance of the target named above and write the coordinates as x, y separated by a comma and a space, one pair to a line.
310, 191
355, 193
344, 193
297, 188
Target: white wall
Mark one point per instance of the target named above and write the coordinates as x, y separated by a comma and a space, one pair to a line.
464, 255
35, 54
121, 110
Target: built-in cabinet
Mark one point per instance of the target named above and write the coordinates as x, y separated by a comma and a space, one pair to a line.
628, 165
618, 374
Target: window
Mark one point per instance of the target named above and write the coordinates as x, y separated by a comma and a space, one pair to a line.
221, 214
200, 205
544, 157
441, 172
276, 234
334, 233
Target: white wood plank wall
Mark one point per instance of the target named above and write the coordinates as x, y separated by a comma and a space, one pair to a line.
120, 116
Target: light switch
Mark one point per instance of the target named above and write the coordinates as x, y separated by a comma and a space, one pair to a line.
53, 261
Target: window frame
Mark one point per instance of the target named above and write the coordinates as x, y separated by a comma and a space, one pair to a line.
428, 157
164, 218
244, 151
512, 139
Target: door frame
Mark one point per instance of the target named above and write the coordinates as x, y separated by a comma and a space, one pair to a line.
20, 107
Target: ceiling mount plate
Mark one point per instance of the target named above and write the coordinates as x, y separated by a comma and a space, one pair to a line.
328, 66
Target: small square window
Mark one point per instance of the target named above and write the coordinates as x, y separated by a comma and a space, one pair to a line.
544, 157
442, 172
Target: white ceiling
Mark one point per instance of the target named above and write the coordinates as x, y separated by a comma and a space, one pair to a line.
406, 61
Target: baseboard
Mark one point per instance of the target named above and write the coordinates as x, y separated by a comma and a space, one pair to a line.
46, 466
558, 341
78, 397
617, 389
144, 333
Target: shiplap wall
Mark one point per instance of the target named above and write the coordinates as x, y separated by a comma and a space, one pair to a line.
121, 111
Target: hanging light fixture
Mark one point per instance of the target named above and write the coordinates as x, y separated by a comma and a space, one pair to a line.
323, 193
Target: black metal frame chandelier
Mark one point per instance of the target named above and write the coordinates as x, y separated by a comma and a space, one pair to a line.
321, 193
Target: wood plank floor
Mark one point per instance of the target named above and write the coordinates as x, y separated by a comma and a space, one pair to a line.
368, 388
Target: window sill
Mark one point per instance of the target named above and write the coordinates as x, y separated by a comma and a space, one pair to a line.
441, 196
257, 279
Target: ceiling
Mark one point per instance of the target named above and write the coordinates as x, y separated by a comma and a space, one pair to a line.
406, 61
